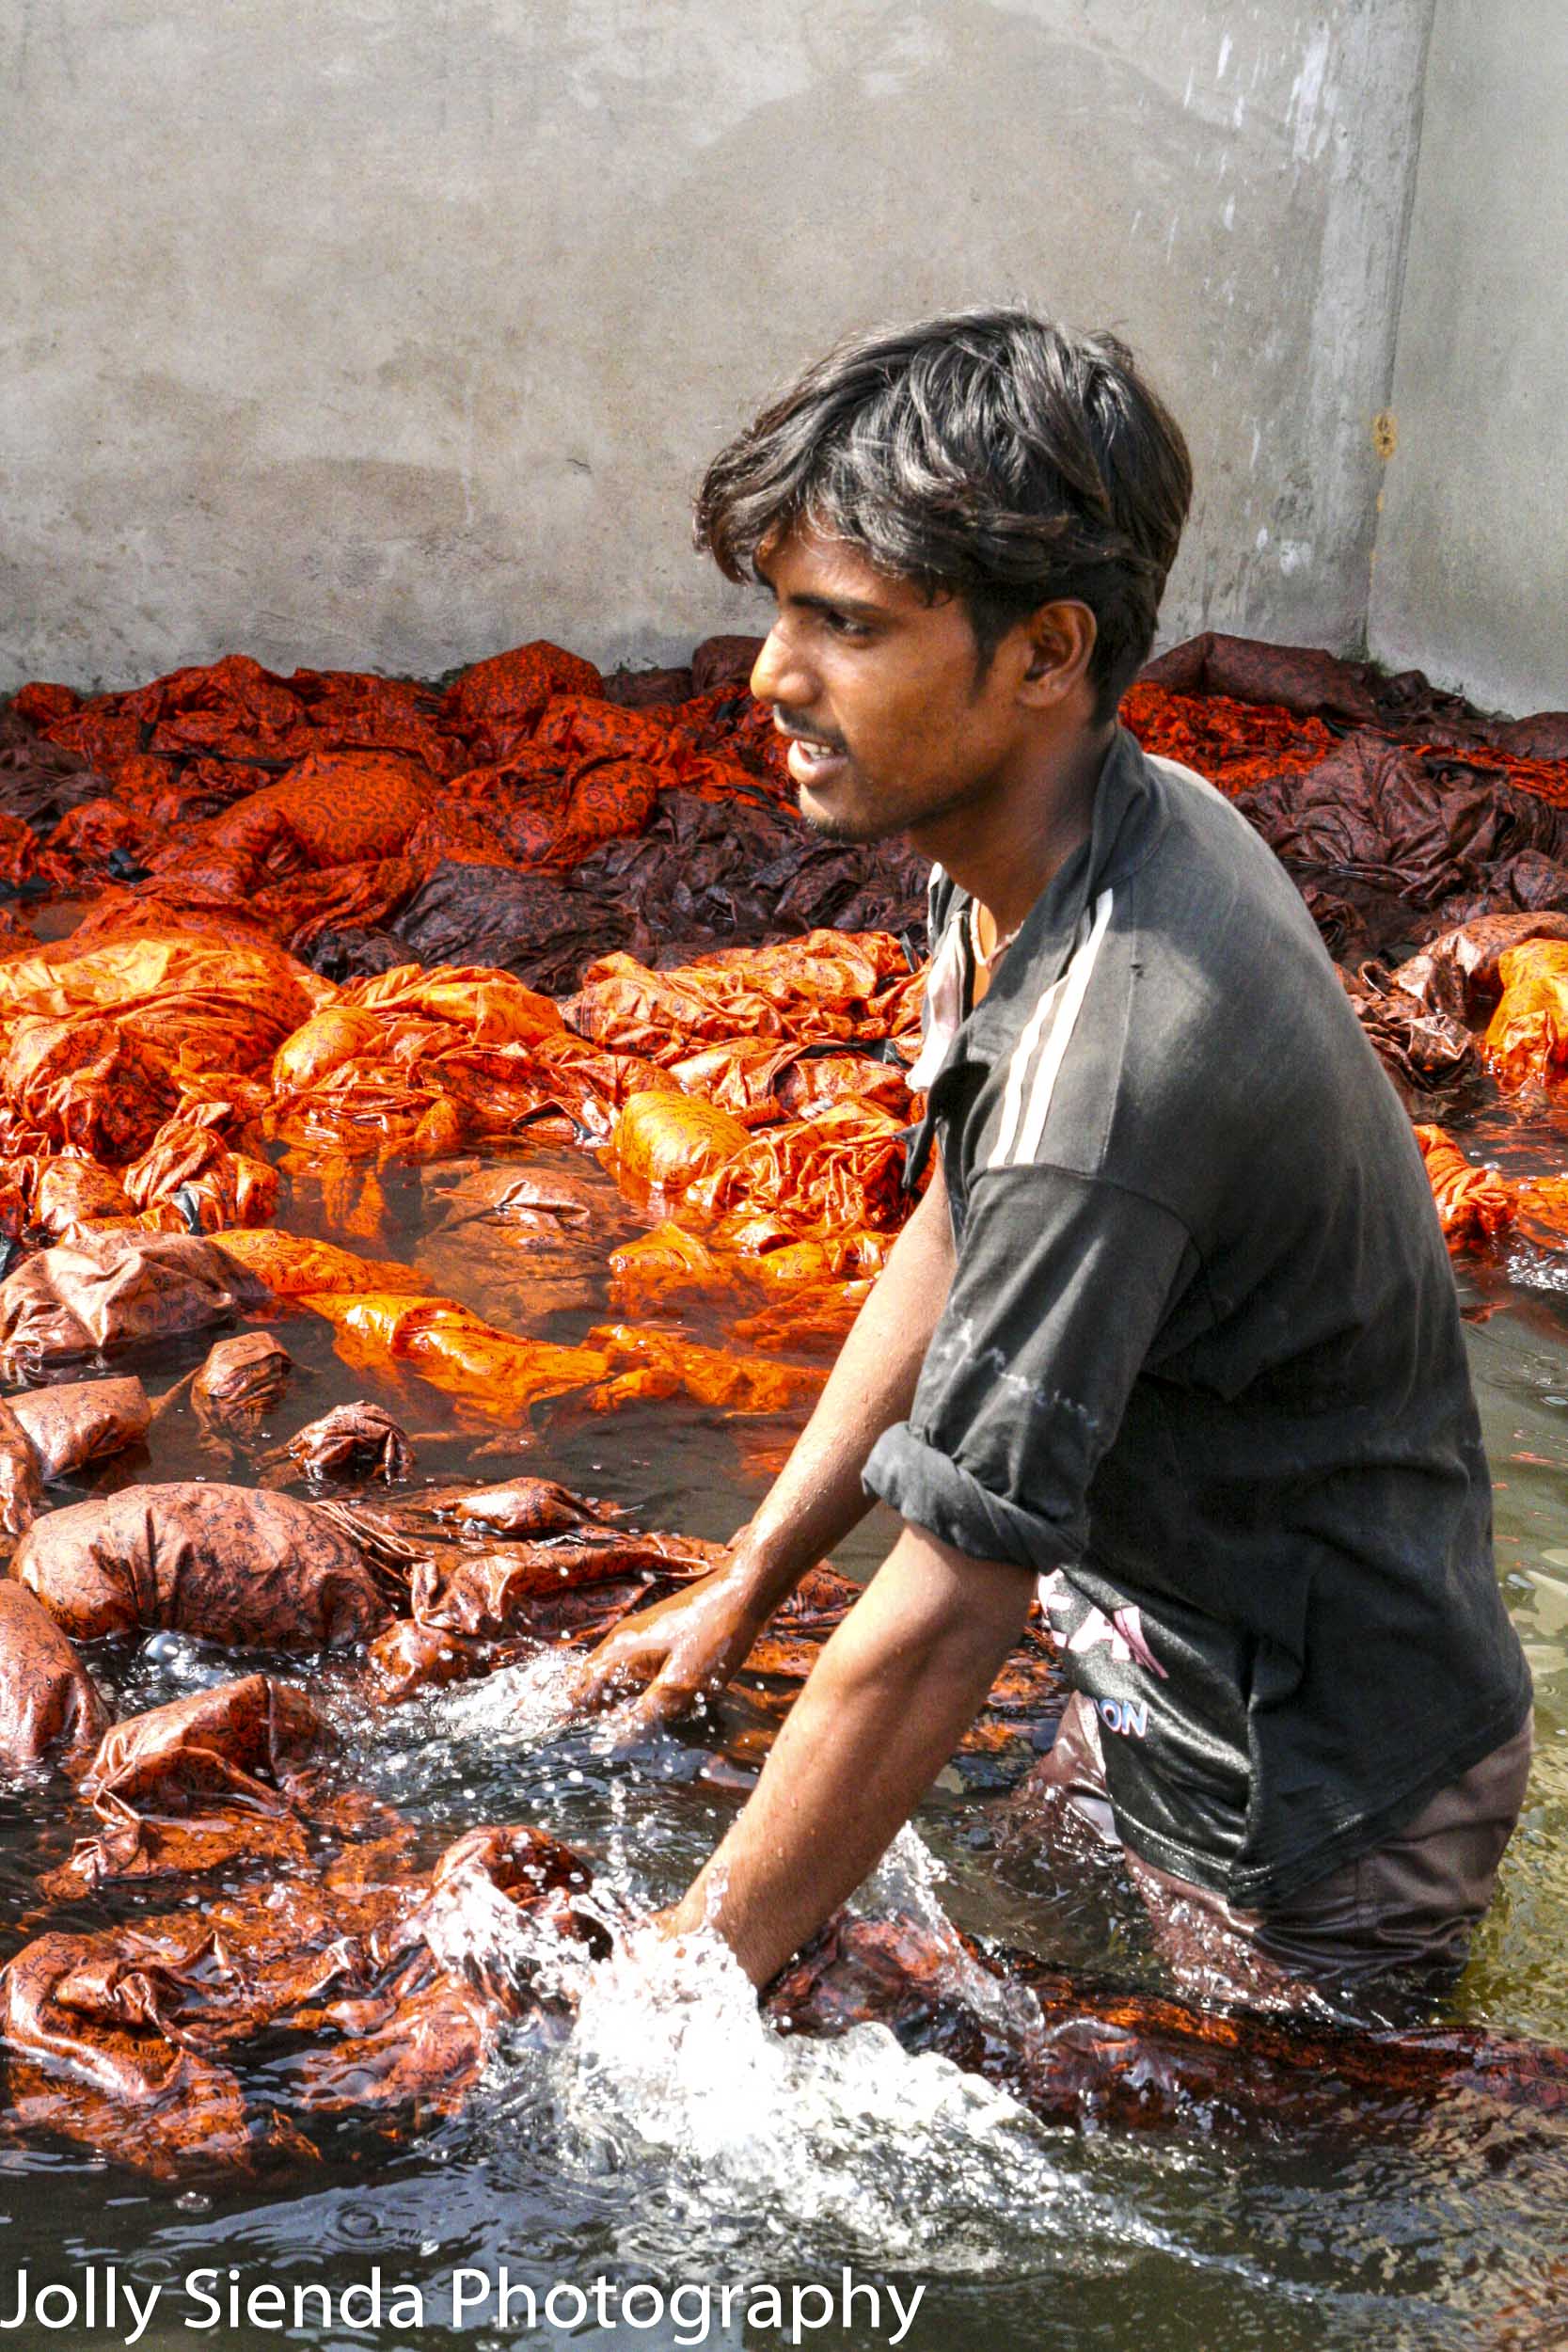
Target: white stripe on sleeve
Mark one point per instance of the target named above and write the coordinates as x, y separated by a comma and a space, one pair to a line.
1018, 1069
1049, 1032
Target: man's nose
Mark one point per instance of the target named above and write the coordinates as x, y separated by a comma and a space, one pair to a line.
779, 674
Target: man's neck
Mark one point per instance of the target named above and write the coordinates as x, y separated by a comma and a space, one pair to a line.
1005, 853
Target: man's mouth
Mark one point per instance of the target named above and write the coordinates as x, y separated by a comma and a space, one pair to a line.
810, 756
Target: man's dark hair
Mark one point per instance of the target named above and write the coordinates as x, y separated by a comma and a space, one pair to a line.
990, 456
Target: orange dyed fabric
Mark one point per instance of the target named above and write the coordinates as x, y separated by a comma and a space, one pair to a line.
103, 1046
657, 1363
328, 800
68, 1195
491, 1374
1474, 1204
291, 1265
223, 1563
1527, 1035
502, 1378
423, 1062
838, 1173
1235, 744
245, 1085
663, 1143
819, 990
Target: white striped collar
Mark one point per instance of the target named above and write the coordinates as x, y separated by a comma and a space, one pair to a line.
1129, 814
1042, 1044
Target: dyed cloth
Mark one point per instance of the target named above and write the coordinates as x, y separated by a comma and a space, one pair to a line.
353, 1441
240, 1382
436, 1030
1430, 1057
224, 1562
1473, 1203
349, 1977
57, 1431
333, 812
1096, 2056
111, 1290
1527, 1040
199, 1784
49, 1705
131, 2041
66, 1427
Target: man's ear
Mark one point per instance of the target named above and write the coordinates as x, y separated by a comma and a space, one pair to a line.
1060, 640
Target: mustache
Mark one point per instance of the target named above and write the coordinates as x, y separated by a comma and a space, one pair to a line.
794, 722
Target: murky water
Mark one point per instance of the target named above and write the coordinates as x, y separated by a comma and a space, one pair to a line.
671, 2139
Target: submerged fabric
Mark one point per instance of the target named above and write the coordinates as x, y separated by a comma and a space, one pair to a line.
1201, 1364
390, 1023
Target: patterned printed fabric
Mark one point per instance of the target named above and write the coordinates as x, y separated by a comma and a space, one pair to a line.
513, 1051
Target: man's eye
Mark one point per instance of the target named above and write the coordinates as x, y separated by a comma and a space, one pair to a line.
841, 625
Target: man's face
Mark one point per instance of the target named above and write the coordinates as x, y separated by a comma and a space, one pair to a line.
891, 724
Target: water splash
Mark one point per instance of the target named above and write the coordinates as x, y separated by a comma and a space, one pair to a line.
669, 2062
414, 1750
905, 1885
480, 1933
165, 1666
735, 2132
516, 1708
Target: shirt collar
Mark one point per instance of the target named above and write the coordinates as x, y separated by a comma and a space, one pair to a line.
1129, 818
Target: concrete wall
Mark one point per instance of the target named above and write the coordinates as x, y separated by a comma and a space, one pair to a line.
1472, 550
387, 332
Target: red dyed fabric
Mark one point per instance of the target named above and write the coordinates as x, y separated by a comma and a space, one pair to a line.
440, 1029
335, 808
504, 696
224, 1562
49, 1704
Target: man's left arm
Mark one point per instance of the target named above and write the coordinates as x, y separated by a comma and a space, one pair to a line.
1062, 1286
883, 1709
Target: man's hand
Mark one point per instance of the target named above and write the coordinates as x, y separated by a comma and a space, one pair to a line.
687, 1647
893, 1694
682, 1650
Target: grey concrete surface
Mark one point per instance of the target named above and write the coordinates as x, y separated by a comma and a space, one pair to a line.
387, 332
1472, 546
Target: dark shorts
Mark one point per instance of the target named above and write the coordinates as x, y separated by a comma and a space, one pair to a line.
1408, 1906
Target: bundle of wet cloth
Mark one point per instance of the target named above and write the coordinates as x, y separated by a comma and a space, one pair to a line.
514, 1049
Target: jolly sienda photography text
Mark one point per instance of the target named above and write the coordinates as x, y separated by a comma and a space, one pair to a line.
119, 2307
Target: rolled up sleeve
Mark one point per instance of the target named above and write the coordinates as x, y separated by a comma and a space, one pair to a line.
1062, 1286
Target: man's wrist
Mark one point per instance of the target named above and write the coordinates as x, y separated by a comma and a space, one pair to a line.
765, 1568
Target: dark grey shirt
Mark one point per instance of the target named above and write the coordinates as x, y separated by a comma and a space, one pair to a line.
1202, 1366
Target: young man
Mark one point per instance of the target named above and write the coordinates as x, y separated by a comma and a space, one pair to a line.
1172, 1335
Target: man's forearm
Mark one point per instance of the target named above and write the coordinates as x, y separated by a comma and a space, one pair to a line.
685, 1648
818, 1497
887, 1703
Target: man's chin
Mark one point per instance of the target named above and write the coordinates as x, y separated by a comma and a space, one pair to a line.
842, 825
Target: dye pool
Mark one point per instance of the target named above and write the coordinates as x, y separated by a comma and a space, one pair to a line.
669, 2140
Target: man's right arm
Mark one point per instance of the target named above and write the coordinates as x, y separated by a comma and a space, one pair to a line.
689, 1646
